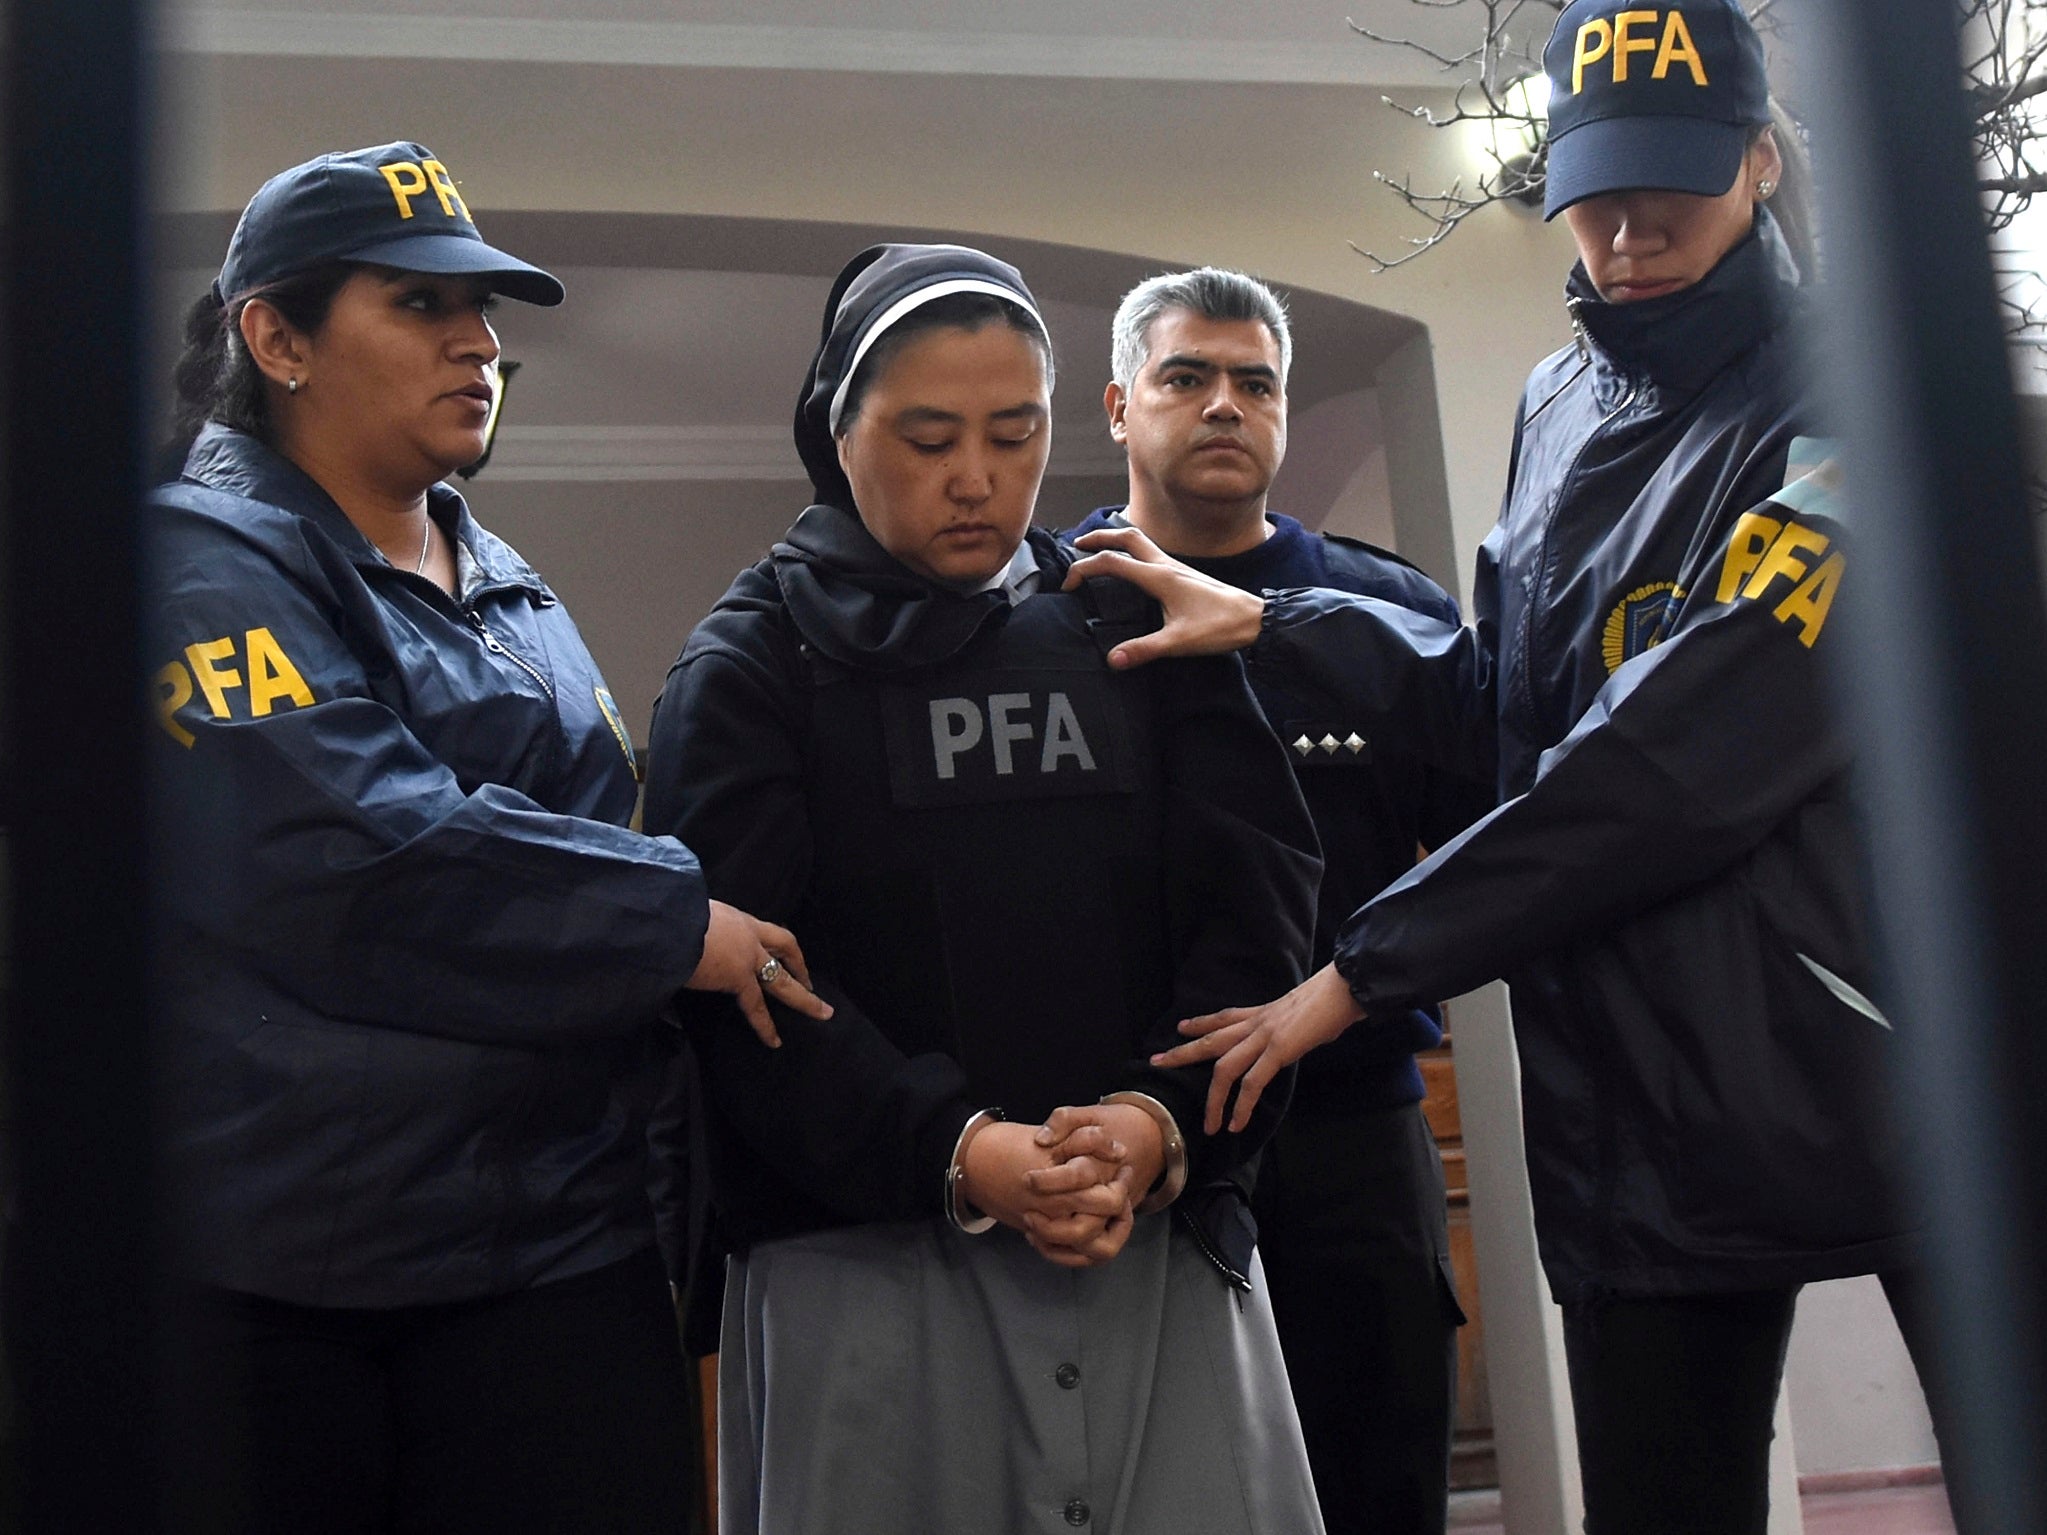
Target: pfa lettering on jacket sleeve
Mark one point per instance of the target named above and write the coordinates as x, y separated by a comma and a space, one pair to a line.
1784, 553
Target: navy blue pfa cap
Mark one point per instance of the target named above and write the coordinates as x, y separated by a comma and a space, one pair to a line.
1652, 97
395, 205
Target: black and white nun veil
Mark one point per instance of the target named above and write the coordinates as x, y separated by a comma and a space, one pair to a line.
852, 600
875, 291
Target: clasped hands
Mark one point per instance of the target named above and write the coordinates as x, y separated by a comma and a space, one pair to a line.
1071, 1185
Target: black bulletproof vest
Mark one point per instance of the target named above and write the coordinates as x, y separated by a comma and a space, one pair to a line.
989, 878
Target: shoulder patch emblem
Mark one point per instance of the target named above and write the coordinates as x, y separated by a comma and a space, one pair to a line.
1639, 622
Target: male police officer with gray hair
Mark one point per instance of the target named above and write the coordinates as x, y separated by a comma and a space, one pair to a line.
1350, 1199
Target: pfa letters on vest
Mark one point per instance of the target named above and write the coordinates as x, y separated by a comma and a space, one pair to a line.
1018, 736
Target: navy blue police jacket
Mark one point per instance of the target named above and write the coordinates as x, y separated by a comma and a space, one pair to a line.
414, 963
1013, 872
1373, 803
1670, 882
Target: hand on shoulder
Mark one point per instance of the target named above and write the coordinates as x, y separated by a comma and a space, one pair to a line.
1204, 616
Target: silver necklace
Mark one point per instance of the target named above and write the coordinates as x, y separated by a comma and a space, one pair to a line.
426, 537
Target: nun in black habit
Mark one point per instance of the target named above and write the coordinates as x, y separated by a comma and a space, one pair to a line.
986, 1273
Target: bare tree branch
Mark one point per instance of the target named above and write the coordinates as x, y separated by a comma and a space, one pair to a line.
1500, 15
2017, 186
1423, 49
1994, 96
1493, 64
2005, 52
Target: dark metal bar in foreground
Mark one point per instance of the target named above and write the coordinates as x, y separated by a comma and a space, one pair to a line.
1949, 697
81, 1267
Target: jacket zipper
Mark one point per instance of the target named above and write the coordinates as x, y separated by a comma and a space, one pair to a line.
1216, 1260
1550, 522
1578, 330
498, 647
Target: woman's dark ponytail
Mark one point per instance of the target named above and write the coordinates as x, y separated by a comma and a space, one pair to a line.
196, 378
216, 379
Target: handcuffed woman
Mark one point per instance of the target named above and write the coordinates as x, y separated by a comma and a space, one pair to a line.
988, 1271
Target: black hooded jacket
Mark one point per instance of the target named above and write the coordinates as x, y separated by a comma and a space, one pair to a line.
1670, 882
787, 682
1012, 915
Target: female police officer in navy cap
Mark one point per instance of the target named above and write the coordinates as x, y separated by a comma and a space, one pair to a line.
1670, 881
414, 961
990, 1274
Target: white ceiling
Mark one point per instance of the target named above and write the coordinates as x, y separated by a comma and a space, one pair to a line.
1289, 41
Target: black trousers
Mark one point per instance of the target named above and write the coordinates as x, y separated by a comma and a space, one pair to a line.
1353, 1232
562, 1407
1675, 1399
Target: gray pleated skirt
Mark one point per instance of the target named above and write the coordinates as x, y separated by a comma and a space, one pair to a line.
906, 1378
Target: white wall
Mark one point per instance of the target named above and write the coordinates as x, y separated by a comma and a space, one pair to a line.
1334, 477
1855, 1400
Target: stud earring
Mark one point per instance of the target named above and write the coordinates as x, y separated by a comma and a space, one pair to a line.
1764, 188
292, 384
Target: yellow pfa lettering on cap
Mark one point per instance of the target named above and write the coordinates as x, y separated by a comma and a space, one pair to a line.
1632, 32
444, 189
407, 182
1624, 44
1678, 47
1595, 42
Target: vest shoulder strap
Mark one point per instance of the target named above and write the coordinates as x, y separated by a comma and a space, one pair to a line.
1117, 611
